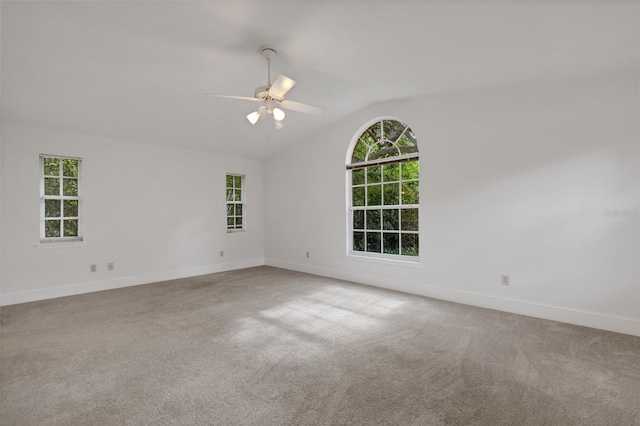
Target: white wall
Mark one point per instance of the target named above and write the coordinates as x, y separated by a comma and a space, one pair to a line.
157, 213
514, 180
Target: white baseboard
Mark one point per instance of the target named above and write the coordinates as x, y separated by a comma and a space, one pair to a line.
90, 287
554, 313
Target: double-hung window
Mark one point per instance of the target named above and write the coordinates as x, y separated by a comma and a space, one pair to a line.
384, 199
60, 202
235, 203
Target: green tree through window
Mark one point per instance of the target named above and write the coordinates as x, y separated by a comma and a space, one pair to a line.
235, 203
385, 191
60, 198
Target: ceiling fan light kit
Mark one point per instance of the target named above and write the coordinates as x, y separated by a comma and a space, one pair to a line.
272, 96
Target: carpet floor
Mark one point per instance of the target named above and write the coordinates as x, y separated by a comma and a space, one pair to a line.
265, 346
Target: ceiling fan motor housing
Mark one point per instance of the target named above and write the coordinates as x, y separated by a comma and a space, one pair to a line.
262, 92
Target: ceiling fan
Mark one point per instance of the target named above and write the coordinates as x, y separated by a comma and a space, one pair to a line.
271, 96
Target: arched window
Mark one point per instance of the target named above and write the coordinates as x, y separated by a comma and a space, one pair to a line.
384, 191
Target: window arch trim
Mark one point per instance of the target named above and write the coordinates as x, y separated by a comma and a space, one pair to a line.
409, 145
360, 131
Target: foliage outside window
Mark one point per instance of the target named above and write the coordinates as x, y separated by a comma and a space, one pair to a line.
235, 203
60, 189
385, 191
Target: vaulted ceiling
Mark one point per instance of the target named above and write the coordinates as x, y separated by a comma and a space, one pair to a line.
138, 70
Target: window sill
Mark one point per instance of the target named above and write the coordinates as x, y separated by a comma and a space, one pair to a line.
243, 232
58, 245
404, 262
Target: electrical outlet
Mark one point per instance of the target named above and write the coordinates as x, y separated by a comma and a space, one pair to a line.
110, 266
307, 255
221, 253
93, 268
505, 280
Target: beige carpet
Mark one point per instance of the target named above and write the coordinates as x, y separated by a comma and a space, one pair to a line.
264, 346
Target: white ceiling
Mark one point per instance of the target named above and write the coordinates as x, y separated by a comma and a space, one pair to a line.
138, 70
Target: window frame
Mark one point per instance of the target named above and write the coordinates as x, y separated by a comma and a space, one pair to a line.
400, 206
62, 198
242, 202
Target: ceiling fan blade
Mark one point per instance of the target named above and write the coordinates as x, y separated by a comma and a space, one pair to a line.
300, 107
281, 86
244, 98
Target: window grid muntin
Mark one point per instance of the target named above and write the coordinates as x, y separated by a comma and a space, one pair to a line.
235, 202
380, 230
63, 219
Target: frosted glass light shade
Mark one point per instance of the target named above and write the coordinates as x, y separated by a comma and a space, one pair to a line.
253, 117
278, 114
